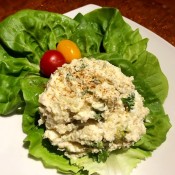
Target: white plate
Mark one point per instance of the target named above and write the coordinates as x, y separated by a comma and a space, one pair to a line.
14, 157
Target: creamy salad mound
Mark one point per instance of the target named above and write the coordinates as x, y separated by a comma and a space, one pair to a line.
90, 105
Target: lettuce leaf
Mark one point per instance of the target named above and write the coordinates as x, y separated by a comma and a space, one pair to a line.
29, 33
102, 34
147, 66
31, 86
120, 162
50, 156
10, 94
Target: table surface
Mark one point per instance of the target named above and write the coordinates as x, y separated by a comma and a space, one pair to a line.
156, 15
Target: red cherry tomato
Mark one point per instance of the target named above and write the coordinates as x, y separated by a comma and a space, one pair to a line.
50, 61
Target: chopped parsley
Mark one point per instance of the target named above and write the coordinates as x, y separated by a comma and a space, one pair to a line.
129, 102
81, 67
96, 81
100, 156
68, 76
98, 145
98, 116
86, 90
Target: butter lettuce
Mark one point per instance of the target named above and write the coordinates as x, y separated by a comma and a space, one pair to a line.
102, 34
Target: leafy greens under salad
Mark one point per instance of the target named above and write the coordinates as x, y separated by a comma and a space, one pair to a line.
102, 34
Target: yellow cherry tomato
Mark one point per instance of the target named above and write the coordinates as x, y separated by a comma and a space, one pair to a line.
69, 50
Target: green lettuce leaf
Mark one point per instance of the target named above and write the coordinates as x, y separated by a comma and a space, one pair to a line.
119, 162
31, 87
148, 69
29, 33
50, 156
19, 65
10, 94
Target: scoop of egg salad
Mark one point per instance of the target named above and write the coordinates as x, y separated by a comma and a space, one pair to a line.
90, 105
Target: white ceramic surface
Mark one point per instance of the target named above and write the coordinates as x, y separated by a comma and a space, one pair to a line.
14, 157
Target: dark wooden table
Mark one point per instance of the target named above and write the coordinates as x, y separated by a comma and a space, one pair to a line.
156, 15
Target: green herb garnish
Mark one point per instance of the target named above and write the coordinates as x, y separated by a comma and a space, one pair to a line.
100, 156
129, 102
